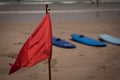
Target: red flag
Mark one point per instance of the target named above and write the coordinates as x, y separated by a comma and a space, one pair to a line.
37, 48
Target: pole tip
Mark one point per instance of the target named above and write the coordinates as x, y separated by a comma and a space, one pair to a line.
46, 5
47, 9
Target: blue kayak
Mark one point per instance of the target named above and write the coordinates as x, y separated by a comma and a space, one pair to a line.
110, 39
87, 40
62, 43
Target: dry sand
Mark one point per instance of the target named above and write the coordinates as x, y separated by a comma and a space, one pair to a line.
82, 63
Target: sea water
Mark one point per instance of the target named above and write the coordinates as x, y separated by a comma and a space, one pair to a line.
58, 0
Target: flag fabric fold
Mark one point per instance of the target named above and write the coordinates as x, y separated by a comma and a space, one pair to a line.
37, 47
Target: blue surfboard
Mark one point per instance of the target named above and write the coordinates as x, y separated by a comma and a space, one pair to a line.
110, 39
87, 40
62, 43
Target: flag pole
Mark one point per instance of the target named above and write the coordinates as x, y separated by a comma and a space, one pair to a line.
49, 59
46, 8
49, 67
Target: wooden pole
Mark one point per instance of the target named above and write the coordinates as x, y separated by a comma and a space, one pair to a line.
46, 8
49, 67
49, 59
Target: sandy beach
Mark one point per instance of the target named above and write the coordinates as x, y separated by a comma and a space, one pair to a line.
81, 63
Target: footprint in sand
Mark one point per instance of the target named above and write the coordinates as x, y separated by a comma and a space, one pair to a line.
81, 55
11, 55
54, 63
26, 33
117, 68
102, 67
91, 77
19, 43
3, 71
33, 76
62, 33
